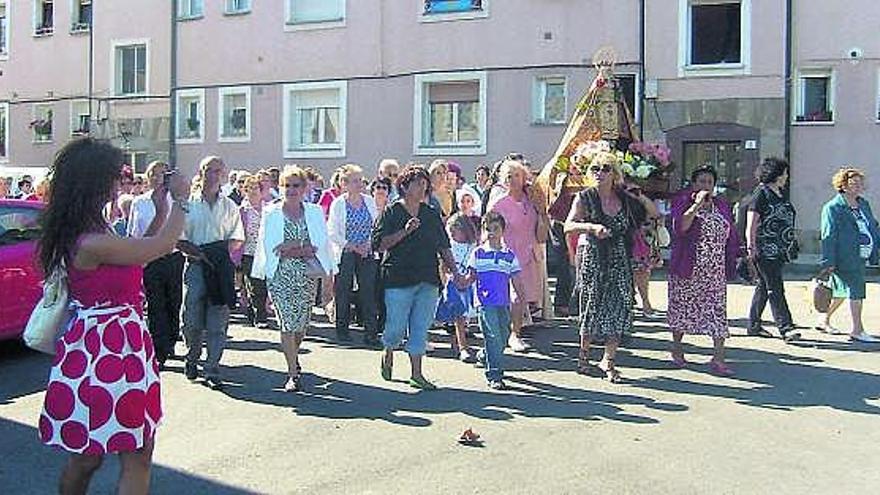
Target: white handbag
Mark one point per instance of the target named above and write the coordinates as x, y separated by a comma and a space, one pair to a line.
51, 315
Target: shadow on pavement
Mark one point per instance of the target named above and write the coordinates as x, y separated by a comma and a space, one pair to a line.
22, 452
22, 371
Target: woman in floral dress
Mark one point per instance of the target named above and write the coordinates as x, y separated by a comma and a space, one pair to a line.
705, 246
608, 214
293, 250
103, 395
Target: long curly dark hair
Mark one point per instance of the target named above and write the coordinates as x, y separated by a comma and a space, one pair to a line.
83, 178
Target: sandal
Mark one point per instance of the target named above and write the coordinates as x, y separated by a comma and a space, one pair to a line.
386, 369
720, 369
294, 384
421, 383
611, 373
678, 360
583, 364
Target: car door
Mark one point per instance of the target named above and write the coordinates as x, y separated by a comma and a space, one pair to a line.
20, 278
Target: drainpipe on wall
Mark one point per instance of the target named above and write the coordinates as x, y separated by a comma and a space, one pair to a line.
789, 35
642, 72
91, 68
172, 85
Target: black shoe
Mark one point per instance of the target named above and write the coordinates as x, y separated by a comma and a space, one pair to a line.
343, 336
215, 382
790, 335
760, 332
191, 372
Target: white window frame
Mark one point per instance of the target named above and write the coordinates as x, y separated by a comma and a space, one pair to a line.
131, 158
182, 16
76, 24
799, 94
685, 68
421, 115
289, 25
189, 93
116, 83
38, 18
75, 115
221, 94
324, 151
637, 111
243, 10
539, 99
452, 16
35, 113
4, 55
4, 107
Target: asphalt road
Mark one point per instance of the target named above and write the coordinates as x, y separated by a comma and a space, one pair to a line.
802, 418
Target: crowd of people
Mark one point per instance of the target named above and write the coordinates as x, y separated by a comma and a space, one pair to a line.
412, 247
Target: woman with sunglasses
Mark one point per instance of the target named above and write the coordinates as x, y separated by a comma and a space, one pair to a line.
608, 215
292, 238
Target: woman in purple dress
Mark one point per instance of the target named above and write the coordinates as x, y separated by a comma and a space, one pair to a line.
705, 247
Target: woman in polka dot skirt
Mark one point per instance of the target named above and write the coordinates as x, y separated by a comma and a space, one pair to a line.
103, 394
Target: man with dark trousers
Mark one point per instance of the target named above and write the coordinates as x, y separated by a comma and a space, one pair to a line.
163, 277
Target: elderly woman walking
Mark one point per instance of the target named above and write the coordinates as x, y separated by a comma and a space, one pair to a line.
293, 250
850, 239
521, 236
705, 247
608, 215
352, 215
412, 236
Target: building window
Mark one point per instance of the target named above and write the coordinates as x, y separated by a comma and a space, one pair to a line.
131, 69
4, 135
315, 120
550, 100
235, 114
79, 118
815, 99
628, 90
4, 30
448, 6
238, 6
138, 160
190, 9
190, 116
715, 34
44, 17
81, 16
42, 123
315, 11
450, 114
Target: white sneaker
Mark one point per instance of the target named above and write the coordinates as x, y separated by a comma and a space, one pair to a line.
517, 345
825, 327
864, 338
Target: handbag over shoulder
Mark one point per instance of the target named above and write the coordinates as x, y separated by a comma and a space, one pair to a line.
51, 315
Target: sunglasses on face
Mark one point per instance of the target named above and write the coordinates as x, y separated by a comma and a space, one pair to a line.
380, 188
596, 169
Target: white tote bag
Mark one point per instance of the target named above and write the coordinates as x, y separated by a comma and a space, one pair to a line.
51, 315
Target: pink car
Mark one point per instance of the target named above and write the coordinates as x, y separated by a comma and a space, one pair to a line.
20, 275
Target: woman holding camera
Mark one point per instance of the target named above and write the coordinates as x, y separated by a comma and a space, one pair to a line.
703, 256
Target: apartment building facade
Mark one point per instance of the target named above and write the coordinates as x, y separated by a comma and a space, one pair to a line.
324, 82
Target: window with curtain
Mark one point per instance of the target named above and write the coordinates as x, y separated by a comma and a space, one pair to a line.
453, 113
131, 69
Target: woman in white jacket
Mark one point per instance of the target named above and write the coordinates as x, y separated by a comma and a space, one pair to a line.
293, 250
351, 220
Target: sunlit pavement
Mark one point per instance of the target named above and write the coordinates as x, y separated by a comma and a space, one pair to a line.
801, 418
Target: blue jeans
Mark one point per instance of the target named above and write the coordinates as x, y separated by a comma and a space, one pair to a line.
495, 325
409, 313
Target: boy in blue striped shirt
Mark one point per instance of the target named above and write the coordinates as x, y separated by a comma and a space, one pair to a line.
495, 268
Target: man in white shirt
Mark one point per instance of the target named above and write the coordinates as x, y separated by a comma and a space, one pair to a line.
163, 276
213, 229
227, 188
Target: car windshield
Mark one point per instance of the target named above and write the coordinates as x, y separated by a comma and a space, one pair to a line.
18, 224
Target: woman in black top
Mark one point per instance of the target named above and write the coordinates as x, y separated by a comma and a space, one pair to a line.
772, 242
411, 235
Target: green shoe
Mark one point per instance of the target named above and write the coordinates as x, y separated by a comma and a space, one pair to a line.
386, 370
421, 383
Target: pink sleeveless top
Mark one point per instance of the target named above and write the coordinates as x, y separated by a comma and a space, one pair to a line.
107, 285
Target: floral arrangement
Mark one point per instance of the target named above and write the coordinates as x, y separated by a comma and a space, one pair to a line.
642, 160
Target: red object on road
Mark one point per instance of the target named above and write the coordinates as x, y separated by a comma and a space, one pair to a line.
20, 274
